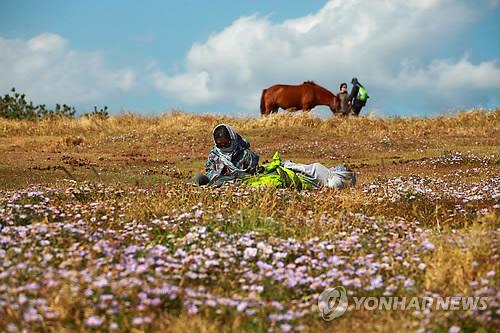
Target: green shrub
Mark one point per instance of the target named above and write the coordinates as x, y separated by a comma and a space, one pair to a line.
15, 106
101, 113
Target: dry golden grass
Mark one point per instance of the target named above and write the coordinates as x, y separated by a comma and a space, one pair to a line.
474, 122
122, 143
452, 266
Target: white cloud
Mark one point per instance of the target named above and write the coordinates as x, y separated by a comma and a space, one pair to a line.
186, 87
388, 44
446, 75
49, 71
46, 42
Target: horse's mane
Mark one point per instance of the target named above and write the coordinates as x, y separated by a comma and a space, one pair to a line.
317, 85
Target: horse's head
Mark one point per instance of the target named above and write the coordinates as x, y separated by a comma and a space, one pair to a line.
335, 104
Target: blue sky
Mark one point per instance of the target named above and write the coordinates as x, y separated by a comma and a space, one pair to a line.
416, 57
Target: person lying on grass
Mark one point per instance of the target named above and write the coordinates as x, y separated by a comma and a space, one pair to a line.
288, 174
230, 159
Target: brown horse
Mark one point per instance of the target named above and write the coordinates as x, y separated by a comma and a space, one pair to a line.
300, 97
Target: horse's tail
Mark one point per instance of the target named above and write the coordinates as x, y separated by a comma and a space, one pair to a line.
263, 103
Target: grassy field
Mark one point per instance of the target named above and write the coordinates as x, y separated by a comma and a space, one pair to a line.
101, 231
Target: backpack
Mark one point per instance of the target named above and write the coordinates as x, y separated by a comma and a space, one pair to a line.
273, 174
362, 94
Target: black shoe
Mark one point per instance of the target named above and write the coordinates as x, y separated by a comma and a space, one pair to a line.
200, 179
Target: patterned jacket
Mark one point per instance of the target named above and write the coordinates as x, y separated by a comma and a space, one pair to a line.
243, 161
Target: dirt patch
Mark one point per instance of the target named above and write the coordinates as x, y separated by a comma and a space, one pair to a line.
74, 162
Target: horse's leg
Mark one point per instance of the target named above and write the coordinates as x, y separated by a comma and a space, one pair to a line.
269, 109
275, 108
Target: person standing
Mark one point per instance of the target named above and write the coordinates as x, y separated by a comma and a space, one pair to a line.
358, 96
345, 99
